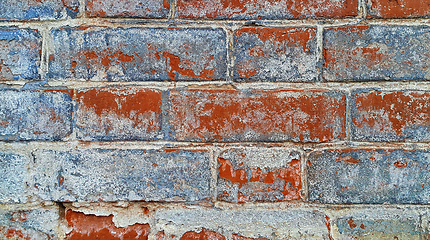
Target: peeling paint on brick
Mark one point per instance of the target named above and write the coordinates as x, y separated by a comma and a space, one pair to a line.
128, 8
259, 9
370, 53
261, 223
100, 227
377, 224
257, 175
372, 176
385, 116
19, 54
276, 54
121, 174
34, 115
233, 115
13, 174
36, 224
38, 9
119, 114
138, 54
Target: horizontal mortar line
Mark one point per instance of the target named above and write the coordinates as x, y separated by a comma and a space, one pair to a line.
142, 22
179, 144
227, 84
217, 205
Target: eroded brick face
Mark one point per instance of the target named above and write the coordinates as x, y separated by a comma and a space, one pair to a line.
375, 53
276, 54
138, 54
92, 227
259, 9
128, 8
233, 115
119, 114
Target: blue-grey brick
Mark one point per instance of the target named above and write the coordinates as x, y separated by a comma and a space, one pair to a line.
373, 176
19, 53
34, 115
251, 223
366, 53
114, 174
37, 9
373, 223
31, 224
13, 177
138, 54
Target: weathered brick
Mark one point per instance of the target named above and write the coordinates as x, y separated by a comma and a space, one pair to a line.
38, 9
260, 9
122, 174
362, 53
398, 9
258, 174
128, 8
276, 54
379, 224
279, 115
19, 54
118, 114
13, 172
135, 54
34, 224
34, 115
390, 115
240, 224
102, 227
373, 176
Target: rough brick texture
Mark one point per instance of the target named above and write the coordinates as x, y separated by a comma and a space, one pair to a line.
373, 176
260, 9
34, 224
34, 115
101, 227
122, 174
127, 8
13, 177
390, 116
233, 115
38, 9
119, 114
214, 119
256, 175
19, 54
200, 223
137, 54
398, 9
364, 53
276, 54
377, 224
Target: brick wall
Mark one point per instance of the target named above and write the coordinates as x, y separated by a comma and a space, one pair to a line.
214, 120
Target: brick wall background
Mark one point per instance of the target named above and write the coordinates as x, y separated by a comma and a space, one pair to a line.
214, 120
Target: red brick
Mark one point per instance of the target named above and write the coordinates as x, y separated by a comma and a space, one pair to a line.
128, 8
390, 116
234, 115
261, 9
90, 227
118, 113
398, 8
